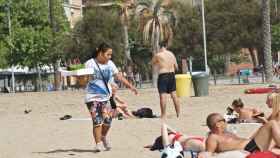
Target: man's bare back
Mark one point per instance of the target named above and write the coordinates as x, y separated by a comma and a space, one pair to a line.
247, 113
165, 61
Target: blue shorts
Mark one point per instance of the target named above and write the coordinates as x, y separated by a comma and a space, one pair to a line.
166, 83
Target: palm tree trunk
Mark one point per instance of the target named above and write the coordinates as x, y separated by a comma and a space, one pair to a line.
267, 40
253, 56
126, 43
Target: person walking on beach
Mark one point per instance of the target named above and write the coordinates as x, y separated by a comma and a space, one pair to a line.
98, 93
166, 64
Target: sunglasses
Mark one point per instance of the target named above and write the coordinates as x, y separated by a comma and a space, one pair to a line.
221, 120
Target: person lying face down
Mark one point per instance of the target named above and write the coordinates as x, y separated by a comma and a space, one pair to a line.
219, 140
245, 114
190, 145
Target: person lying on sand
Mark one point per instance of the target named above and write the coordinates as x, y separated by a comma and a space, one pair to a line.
246, 114
122, 106
189, 143
219, 140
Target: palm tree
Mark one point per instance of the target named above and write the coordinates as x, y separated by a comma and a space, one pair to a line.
157, 21
267, 40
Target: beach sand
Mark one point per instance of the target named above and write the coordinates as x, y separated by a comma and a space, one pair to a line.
40, 133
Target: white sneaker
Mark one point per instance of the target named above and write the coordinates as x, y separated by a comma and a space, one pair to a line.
98, 147
106, 144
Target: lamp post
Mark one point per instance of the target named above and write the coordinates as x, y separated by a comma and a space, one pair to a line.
10, 34
204, 36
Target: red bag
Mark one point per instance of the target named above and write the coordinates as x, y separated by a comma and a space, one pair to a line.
263, 154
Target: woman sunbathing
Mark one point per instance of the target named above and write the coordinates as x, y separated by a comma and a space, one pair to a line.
190, 144
273, 102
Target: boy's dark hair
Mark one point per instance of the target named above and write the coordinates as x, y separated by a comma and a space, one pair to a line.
103, 47
237, 103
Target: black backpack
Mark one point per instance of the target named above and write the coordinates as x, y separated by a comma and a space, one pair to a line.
144, 113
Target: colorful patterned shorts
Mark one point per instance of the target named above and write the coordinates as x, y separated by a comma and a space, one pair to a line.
101, 112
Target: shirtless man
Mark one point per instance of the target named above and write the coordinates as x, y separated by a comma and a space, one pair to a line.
166, 63
219, 140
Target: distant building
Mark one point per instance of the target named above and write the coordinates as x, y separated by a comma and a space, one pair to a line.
74, 10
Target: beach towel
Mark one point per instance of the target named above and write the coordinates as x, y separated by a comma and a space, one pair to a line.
231, 154
259, 90
263, 154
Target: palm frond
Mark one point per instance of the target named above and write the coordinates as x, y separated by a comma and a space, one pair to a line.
153, 31
147, 29
161, 28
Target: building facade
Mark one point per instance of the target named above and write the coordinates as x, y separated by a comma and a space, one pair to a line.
74, 10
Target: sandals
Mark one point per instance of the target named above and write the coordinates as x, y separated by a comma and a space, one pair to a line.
66, 117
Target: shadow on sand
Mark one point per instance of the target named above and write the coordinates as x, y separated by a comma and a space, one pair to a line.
67, 150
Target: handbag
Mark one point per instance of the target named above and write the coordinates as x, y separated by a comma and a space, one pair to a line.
112, 100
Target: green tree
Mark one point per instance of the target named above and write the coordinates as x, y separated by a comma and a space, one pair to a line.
60, 30
230, 27
4, 32
275, 33
125, 9
187, 39
98, 25
31, 37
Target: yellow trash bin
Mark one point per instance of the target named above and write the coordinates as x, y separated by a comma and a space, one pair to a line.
183, 85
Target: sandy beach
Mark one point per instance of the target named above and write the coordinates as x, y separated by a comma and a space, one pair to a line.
40, 133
